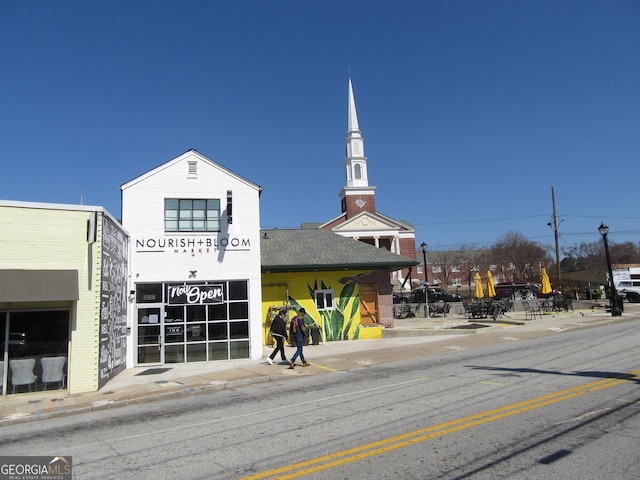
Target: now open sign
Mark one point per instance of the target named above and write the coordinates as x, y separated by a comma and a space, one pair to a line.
194, 294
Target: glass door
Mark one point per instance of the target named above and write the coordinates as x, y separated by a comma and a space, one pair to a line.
150, 337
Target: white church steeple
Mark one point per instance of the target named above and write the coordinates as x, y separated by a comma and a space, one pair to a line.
357, 195
355, 162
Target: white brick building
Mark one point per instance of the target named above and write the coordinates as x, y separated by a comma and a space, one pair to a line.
194, 276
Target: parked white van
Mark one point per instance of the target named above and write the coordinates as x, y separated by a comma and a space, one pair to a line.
631, 289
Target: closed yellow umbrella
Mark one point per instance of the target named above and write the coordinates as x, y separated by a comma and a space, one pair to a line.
491, 289
546, 283
479, 292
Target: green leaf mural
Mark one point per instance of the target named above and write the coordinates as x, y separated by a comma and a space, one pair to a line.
337, 322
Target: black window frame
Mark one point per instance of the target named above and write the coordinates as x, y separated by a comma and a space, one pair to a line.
192, 215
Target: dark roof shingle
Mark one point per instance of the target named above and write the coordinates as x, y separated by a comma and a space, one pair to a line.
317, 249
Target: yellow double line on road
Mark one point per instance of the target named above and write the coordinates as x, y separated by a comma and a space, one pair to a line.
410, 438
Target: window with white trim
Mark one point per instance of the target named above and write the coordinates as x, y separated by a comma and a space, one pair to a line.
191, 215
325, 300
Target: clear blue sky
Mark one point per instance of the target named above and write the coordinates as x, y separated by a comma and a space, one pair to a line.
470, 110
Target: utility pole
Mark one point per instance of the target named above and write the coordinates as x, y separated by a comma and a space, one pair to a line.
555, 232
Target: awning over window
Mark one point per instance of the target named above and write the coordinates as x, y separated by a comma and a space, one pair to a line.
38, 285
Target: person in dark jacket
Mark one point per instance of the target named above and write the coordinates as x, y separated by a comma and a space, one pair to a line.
299, 333
279, 333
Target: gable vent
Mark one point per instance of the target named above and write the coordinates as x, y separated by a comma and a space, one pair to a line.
193, 169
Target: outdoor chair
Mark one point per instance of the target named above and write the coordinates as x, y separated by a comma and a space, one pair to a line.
438, 308
536, 306
498, 309
22, 372
473, 309
530, 311
487, 309
506, 305
560, 302
568, 304
53, 370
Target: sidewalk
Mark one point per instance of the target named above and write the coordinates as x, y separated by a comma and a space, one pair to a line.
411, 337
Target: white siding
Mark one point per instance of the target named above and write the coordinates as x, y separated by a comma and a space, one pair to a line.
143, 217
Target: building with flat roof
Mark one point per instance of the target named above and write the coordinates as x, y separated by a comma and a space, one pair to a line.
63, 297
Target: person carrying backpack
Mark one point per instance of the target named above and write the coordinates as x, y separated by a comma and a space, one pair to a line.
298, 332
279, 333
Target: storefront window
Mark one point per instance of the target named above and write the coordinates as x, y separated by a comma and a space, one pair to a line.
196, 313
239, 350
218, 331
149, 293
196, 332
174, 354
239, 329
193, 322
238, 310
197, 352
173, 314
218, 351
37, 349
217, 312
238, 291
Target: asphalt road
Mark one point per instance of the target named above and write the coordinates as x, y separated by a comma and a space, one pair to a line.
565, 406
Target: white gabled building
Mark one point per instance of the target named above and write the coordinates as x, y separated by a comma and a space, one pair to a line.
194, 271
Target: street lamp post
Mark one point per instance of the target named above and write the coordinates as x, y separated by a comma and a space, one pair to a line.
613, 300
423, 247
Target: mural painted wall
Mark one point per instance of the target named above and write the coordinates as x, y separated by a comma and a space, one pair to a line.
340, 323
113, 301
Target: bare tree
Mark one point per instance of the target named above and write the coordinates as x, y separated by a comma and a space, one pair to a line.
443, 261
626, 252
519, 257
591, 257
471, 260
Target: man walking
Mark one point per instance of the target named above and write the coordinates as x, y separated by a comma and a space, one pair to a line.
279, 333
299, 333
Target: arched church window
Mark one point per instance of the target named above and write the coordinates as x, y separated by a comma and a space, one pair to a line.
357, 172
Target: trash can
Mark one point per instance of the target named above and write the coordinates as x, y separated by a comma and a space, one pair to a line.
315, 335
619, 302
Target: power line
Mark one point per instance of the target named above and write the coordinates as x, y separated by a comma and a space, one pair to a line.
481, 221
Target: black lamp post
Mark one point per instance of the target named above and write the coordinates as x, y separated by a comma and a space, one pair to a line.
423, 247
613, 300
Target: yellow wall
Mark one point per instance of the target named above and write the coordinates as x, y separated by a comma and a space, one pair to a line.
299, 287
56, 239
370, 332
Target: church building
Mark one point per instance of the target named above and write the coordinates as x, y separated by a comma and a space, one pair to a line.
359, 218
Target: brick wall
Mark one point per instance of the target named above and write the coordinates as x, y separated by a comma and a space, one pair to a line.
51, 238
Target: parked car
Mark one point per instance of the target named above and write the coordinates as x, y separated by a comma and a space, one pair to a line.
399, 298
418, 295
